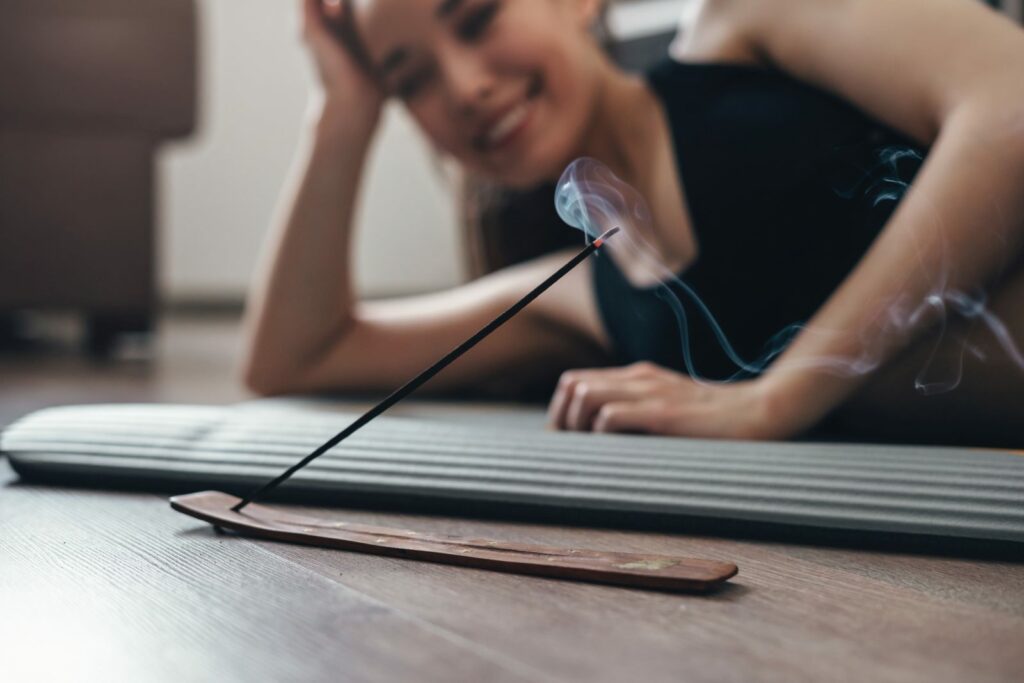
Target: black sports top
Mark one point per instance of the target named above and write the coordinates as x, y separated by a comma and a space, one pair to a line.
786, 187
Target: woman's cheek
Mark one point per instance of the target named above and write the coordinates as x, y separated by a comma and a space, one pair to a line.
437, 126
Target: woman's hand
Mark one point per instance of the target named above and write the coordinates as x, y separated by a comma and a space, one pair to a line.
644, 397
348, 93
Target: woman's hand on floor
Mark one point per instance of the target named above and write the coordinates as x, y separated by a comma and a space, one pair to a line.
644, 397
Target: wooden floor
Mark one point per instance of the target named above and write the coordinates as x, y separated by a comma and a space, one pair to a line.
191, 359
104, 585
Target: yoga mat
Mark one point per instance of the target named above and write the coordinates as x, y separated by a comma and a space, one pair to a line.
427, 464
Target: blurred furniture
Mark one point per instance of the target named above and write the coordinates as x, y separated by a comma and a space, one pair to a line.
88, 90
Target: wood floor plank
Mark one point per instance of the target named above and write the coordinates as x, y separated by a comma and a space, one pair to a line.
98, 585
122, 588
784, 619
992, 583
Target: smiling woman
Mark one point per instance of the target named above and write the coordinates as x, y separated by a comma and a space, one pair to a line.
746, 144
505, 87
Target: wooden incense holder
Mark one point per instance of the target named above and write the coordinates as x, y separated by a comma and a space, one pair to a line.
661, 572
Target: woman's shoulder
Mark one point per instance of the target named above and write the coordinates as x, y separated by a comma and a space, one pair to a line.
711, 32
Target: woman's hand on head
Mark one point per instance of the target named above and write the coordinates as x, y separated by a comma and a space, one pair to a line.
347, 91
646, 398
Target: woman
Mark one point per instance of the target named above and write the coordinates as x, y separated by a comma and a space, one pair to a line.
517, 89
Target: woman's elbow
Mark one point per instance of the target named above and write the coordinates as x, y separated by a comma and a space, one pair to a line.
264, 373
260, 382
265, 378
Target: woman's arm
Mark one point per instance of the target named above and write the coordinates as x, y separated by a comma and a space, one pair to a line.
951, 74
307, 332
302, 301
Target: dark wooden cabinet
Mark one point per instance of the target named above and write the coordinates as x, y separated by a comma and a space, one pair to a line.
88, 90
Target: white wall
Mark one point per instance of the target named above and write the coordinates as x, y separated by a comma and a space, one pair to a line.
218, 189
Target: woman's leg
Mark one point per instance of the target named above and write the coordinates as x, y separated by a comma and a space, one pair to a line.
986, 408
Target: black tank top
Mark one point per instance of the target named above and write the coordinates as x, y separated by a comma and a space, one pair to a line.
786, 187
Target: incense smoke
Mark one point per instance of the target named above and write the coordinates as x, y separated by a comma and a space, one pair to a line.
887, 180
591, 198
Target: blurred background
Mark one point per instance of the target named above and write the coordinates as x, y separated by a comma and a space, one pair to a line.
143, 146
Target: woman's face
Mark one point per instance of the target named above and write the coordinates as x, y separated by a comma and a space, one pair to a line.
505, 86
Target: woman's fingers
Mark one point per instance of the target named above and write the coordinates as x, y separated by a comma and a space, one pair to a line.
332, 15
649, 399
630, 416
326, 25
312, 18
333, 8
568, 383
318, 35
589, 398
581, 393
559, 404
322, 22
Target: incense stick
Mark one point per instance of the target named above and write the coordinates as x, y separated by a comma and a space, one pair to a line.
424, 376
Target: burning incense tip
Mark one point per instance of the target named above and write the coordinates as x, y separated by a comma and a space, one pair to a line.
600, 240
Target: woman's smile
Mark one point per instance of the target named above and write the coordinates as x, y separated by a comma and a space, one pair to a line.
504, 130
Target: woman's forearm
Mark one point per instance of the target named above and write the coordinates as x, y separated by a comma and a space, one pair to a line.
303, 296
958, 228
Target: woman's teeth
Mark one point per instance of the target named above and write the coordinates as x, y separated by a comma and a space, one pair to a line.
506, 125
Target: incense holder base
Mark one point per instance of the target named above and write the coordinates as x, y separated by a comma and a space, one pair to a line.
659, 572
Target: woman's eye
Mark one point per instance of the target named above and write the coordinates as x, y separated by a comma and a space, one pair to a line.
407, 89
410, 86
477, 21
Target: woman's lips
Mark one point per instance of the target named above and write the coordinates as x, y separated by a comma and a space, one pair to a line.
510, 125
507, 127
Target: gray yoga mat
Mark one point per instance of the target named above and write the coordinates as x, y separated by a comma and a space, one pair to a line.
951, 493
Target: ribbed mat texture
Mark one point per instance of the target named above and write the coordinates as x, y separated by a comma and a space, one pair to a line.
947, 492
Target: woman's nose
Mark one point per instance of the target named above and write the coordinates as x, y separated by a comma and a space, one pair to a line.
469, 80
